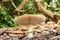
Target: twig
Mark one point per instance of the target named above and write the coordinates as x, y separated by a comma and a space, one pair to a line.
43, 10
19, 8
9, 1
16, 32
13, 4
0, 5
46, 12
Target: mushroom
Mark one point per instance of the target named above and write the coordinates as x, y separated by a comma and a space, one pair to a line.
30, 20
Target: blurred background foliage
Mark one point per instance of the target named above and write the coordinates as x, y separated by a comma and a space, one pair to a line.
6, 9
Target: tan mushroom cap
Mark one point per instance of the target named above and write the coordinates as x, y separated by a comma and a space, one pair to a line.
30, 19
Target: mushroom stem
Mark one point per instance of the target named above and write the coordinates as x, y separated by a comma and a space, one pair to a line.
30, 31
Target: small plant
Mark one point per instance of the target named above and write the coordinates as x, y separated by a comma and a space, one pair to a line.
6, 19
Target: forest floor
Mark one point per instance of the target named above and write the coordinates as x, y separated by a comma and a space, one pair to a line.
50, 31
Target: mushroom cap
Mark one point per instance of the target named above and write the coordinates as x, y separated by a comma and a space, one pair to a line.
30, 19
